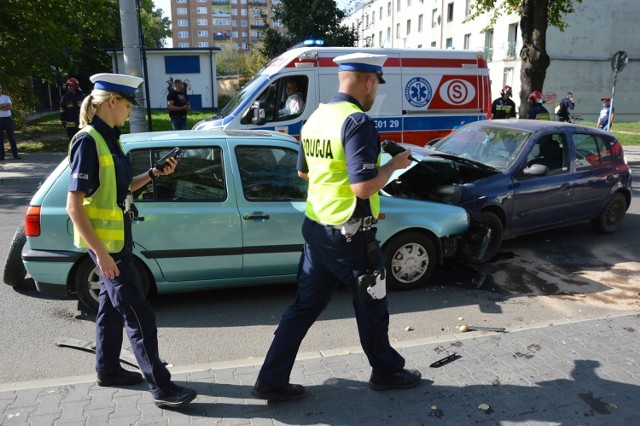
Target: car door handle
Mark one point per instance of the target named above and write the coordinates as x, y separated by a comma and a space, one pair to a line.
565, 186
249, 216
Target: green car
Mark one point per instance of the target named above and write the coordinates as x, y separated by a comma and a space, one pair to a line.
229, 216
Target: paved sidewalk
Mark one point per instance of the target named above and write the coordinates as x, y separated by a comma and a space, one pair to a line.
573, 373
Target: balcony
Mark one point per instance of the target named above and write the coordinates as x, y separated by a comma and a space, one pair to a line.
511, 53
257, 3
220, 3
487, 52
256, 26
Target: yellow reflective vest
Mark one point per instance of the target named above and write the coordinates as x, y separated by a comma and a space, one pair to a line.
102, 208
330, 199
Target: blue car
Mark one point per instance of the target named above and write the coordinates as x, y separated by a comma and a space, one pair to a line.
522, 176
230, 215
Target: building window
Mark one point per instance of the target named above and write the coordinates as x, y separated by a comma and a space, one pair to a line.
183, 45
380, 38
181, 1
435, 18
397, 30
433, 44
450, 12
420, 23
201, 10
467, 7
389, 9
183, 22
181, 11
243, 12
397, 5
202, 22
183, 34
234, 34
203, 44
408, 26
507, 77
234, 12
408, 3
203, 33
388, 39
449, 43
373, 17
221, 22
244, 23
467, 41
234, 23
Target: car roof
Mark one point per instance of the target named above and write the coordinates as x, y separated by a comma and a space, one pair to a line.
196, 135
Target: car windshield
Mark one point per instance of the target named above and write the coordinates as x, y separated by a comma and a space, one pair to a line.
493, 146
252, 87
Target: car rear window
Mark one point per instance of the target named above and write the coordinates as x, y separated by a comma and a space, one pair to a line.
591, 151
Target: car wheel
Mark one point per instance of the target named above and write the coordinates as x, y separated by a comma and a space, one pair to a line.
88, 282
612, 216
410, 259
14, 270
495, 239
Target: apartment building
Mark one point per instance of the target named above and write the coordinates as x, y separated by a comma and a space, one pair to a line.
228, 24
580, 56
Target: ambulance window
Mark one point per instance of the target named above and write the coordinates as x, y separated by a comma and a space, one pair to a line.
292, 96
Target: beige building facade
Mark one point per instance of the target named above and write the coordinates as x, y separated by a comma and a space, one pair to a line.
580, 56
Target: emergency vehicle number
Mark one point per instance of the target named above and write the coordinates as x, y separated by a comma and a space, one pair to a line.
387, 124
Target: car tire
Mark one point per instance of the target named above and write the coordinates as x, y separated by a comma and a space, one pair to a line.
410, 259
495, 240
14, 270
612, 216
87, 282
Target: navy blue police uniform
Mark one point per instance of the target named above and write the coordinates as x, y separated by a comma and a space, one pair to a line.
122, 299
329, 259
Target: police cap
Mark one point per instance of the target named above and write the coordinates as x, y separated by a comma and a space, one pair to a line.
366, 62
123, 84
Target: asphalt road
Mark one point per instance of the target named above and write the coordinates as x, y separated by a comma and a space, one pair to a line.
571, 273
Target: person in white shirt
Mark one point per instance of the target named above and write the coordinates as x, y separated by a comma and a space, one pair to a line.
294, 103
6, 125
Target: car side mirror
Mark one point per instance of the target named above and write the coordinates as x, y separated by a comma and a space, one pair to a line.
259, 115
536, 170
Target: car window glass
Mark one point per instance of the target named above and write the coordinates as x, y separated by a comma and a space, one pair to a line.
551, 151
493, 146
199, 176
591, 151
269, 174
274, 98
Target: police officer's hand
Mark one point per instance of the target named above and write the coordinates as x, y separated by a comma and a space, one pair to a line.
168, 168
107, 266
401, 160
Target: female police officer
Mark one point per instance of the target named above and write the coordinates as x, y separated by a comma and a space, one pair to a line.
340, 159
98, 205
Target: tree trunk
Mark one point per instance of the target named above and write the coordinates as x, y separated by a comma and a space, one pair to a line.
534, 15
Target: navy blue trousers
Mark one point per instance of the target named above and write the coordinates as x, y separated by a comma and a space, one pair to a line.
327, 260
6, 126
123, 304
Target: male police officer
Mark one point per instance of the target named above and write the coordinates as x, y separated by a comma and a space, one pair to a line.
341, 161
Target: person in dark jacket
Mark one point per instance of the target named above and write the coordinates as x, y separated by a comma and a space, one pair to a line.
536, 110
70, 107
567, 104
503, 107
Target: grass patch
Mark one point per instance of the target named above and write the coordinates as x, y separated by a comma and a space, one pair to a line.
627, 133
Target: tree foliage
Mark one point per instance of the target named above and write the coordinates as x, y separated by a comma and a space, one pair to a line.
535, 18
306, 19
49, 40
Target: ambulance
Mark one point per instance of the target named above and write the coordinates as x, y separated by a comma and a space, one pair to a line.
428, 92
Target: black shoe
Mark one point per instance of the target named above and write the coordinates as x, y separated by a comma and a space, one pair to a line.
404, 379
285, 393
121, 378
177, 398
17, 157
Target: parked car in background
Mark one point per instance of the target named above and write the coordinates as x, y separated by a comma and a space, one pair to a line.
524, 176
230, 215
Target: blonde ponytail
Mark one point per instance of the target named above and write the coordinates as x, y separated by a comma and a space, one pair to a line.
90, 105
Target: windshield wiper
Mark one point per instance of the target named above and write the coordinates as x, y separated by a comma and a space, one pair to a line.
463, 160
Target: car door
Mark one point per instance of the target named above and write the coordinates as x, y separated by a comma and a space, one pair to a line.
543, 201
271, 201
596, 173
188, 222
